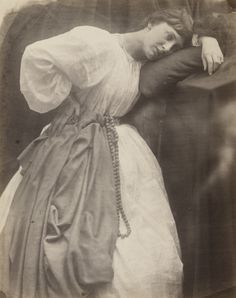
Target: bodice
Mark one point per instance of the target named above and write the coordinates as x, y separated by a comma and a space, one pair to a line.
90, 61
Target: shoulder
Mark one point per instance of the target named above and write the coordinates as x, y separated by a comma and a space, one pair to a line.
94, 40
92, 35
91, 30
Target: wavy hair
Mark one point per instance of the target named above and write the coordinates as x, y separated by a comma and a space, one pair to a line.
179, 19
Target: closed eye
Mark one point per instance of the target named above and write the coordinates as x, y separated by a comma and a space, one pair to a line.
170, 36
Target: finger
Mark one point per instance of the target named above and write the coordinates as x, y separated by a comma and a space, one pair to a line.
216, 62
210, 64
204, 63
221, 56
216, 66
221, 59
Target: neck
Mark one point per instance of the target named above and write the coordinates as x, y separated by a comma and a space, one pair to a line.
133, 43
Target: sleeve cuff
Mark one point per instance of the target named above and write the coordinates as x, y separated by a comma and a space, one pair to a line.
196, 41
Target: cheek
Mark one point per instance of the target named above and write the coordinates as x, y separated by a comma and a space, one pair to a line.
147, 43
147, 50
148, 40
158, 37
152, 37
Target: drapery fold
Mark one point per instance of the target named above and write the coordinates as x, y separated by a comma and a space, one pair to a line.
66, 227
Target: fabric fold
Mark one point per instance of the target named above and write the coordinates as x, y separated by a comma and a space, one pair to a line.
66, 226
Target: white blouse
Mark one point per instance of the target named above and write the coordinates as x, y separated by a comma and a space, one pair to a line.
104, 76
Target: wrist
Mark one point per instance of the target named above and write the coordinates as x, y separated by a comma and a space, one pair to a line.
205, 39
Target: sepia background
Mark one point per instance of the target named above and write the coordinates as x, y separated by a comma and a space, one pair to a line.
191, 128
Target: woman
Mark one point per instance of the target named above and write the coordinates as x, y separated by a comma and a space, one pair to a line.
90, 197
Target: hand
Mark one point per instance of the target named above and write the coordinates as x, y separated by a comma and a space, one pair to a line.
212, 55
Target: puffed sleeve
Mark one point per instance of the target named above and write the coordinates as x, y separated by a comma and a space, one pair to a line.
80, 57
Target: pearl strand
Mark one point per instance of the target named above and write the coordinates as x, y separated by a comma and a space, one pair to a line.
112, 137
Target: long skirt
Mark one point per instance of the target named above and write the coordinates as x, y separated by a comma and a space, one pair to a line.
59, 231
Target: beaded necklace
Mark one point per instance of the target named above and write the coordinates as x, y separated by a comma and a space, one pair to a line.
112, 137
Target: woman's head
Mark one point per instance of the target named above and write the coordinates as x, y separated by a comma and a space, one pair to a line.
166, 31
178, 19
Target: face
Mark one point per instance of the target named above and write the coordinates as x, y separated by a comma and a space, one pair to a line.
160, 40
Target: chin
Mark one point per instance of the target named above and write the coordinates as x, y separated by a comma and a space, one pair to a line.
153, 57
